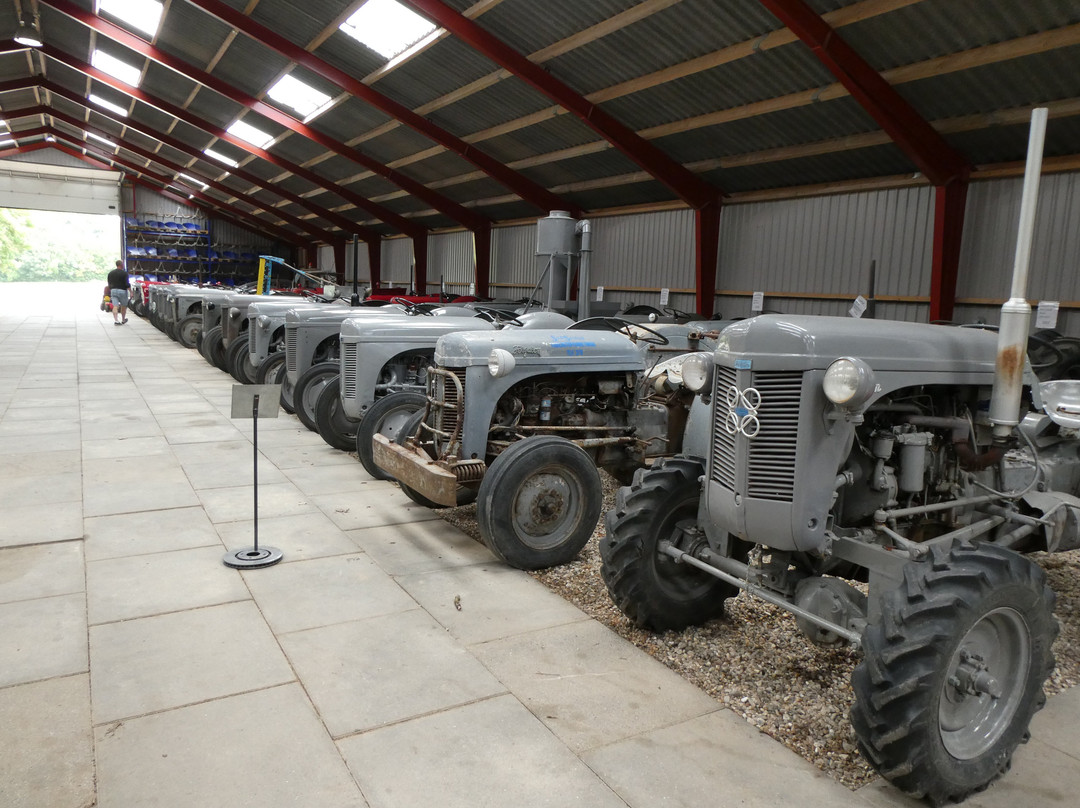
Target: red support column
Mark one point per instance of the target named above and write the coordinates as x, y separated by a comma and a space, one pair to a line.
374, 253
950, 202
339, 261
419, 251
482, 252
706, 252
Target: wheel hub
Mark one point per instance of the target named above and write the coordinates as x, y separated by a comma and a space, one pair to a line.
543, 503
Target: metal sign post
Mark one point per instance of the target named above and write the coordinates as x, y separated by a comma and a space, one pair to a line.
251, 401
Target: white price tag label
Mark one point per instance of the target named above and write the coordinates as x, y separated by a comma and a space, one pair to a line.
665, 295
1046, 315
472, 288
858, 308
599, 293
758, 301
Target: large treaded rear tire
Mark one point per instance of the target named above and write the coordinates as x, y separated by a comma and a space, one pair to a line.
922, 719
652, 589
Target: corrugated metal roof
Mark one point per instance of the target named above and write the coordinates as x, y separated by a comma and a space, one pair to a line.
300, 21
415, 83
528, 26
249, 66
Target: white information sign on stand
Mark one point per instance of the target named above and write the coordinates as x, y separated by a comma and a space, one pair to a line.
665, 296
758, 301
1046, 315
599, 294
858, 308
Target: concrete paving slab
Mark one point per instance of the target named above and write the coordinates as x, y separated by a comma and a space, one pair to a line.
324, 591
48, 488
1040, 776
389, 506
118, 429
495, 601
171, 660
416, 547
369, 673
1056, 723
291, 457
53, 413
151, 531
144, 585
32, 432
714, 759
46, 745
307, 535
236, 503
42, 638
333, 479
33, 524
202, 434
41, 571
26, 464
219, 475
492, 753
123, 485
265, 749
19, 442
126, 447
233, 453
589, 686
37, 398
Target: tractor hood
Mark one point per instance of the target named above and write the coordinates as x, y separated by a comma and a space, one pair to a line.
279, 305
198, 291
410, 330
568, 350
338, 314
808, 342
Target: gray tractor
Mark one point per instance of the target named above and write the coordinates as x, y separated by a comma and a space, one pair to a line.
880, 481
391, 355
266, 336
186, 311
520, 421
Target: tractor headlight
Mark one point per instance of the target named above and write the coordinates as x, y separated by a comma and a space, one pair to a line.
500, 362
263, 320
848, 383
697, 372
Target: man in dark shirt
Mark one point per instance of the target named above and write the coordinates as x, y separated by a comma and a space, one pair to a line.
118, 293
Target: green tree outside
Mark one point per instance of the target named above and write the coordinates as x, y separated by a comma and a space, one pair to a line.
47, 246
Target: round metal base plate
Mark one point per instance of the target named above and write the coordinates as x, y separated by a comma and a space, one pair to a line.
251, 558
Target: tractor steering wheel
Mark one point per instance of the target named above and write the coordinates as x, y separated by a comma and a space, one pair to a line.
497, 316
621, 326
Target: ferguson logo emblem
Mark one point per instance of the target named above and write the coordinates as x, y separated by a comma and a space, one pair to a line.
742, 411
520, 351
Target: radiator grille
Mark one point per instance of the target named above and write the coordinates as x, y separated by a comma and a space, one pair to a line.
770, 463
723, 448
349, 371
290, 348
769, 456
447, 411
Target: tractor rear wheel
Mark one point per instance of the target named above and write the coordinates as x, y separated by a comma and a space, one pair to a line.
307, 390
333, 425
651, 588
212, 347
953, 670
539, 502
236, 360
388, 416
187, 330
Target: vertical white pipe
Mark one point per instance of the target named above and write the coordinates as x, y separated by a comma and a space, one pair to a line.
1016, 313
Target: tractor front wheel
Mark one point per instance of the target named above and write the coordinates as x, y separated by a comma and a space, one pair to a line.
337, 429
187, 330
539, 502
388, 416
307, 390
953, 670
651, 588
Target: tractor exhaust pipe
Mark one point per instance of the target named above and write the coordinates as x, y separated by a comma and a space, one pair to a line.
1016, 313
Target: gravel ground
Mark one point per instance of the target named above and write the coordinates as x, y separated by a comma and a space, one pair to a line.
755, 662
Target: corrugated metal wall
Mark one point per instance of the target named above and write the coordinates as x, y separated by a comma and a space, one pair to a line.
451, 258
514, 265
823, 246
989, 248
152, 205
635, 256
397, 262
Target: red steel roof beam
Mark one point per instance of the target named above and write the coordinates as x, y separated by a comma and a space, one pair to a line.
924, 145
171, 166
459, 213
65, 58
685, 184
522, 186
950, 202
345, 224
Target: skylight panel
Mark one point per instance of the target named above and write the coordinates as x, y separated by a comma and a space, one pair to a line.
109, 105
193, 181
143, 15
245, 131
129, 74
100, 139
299, 96
387, 27
6, 143
221, 158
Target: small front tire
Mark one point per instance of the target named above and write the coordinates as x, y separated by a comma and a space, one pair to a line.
338, 430
187, 330
388, 416
307, 390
